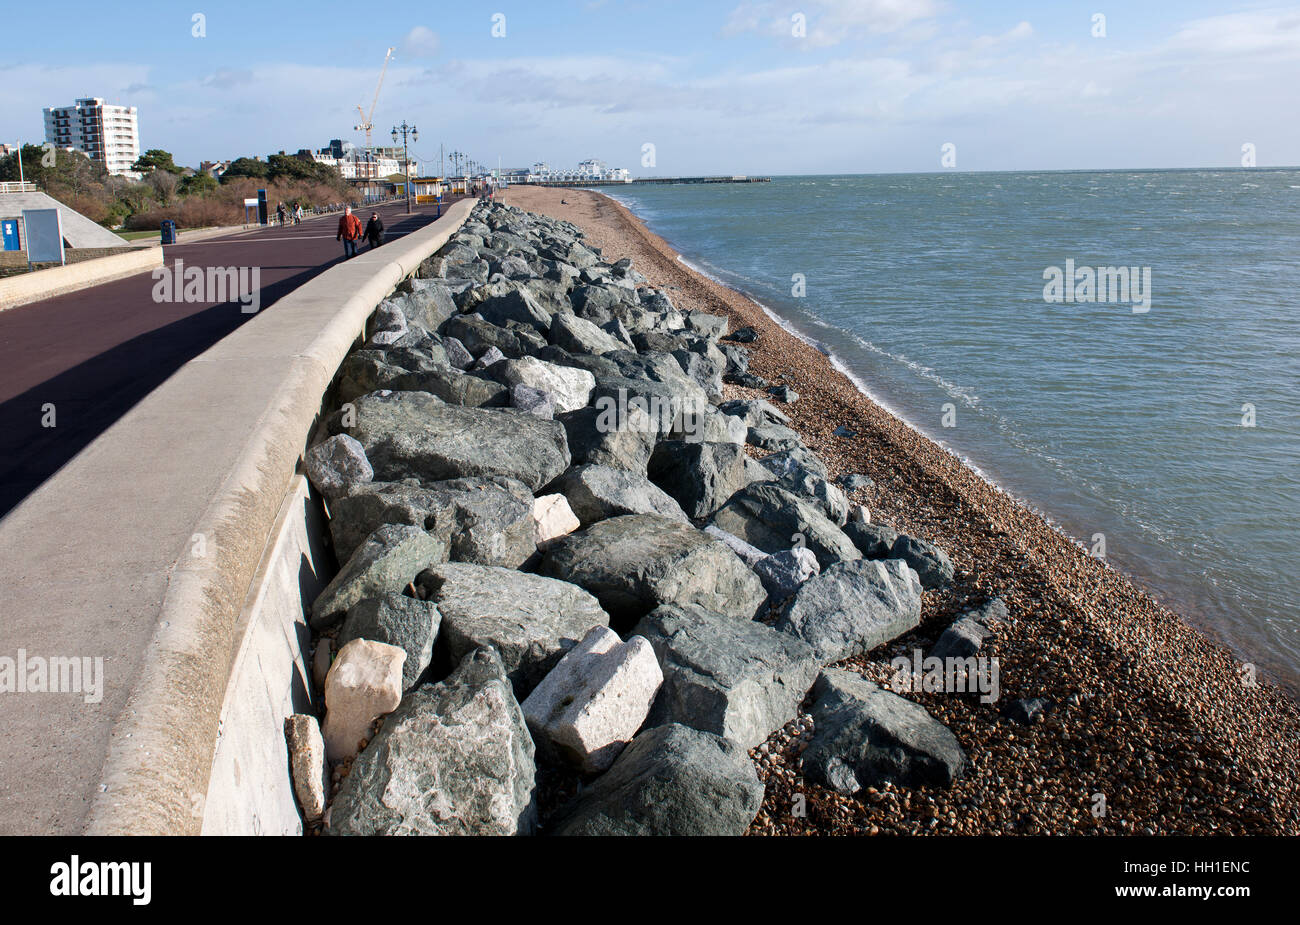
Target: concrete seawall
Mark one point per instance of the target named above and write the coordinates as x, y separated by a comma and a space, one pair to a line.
163, 548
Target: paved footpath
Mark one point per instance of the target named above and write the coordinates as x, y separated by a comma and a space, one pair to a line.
93, 354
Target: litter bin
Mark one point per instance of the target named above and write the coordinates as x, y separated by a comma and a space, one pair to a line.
168, 231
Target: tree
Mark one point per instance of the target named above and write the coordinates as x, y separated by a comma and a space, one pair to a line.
198, 184
245, 167
155, 159
163, 183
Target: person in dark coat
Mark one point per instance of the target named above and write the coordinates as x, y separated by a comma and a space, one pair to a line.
375, 230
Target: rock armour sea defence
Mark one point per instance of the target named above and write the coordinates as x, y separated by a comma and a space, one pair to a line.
564, 557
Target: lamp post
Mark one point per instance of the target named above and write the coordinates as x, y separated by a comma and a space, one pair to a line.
406, 158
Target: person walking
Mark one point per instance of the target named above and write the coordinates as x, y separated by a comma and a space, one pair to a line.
375, 230
280, 214
297, 213
349, 232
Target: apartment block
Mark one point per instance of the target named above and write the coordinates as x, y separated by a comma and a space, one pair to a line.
102, 131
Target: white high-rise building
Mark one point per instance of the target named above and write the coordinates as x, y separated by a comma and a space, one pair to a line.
102, 131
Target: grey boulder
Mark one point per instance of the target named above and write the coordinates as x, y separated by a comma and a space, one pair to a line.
634, 563
415, 435
773, 518
336, 464
701, 476
606, 436
739, 679
931, 563
783, 573
455, 758
598, 492
852, 607
388, 560
487, 521
867, 736
671, 780
531, 621
873, 540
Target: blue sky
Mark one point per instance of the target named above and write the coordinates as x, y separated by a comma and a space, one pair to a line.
716, 87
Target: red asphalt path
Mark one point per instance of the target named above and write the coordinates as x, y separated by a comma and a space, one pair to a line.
94, 354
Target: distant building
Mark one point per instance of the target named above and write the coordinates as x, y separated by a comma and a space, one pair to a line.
214, 169
591, 170
354, 163
104, 132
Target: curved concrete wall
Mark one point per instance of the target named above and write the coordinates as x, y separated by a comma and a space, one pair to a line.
145, 550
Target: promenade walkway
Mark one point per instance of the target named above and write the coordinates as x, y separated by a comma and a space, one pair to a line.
92, 355
100, 562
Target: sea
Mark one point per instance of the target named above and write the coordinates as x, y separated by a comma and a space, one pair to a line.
1152, 414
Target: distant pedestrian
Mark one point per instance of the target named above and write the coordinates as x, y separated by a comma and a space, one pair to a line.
297, 213
349, 232
375, 230
280, 212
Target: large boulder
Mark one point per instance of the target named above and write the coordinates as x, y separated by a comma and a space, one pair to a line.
487, 521
739, 679
396, 620
932, 564
636, 562
773, 437
455, 758
801, 472
603, 436
874, 541
478, 335
867, 736
593, 702
965, 635
568, 387
387, 560
578, 335
773, 518
425, 302
852, 607
783, 573
598, 492
531, 621
415, 435
755, 412
671, 780
701, 476
336, 464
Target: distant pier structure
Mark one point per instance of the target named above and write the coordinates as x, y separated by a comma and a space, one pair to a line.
732, 179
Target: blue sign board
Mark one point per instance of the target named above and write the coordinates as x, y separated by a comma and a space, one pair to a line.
9, 232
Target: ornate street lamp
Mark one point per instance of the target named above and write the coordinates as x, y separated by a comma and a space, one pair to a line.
406, 158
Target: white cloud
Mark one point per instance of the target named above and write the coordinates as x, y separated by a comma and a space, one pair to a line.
420, 42
829, 22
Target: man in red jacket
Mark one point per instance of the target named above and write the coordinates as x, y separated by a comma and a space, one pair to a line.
349, 232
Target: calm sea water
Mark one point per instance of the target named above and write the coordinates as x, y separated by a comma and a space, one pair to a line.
928, 289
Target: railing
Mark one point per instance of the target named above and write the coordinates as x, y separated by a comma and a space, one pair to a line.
12, 187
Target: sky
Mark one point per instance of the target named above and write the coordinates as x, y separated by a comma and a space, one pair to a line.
744, 86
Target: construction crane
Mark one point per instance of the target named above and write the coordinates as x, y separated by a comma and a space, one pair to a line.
366, 123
